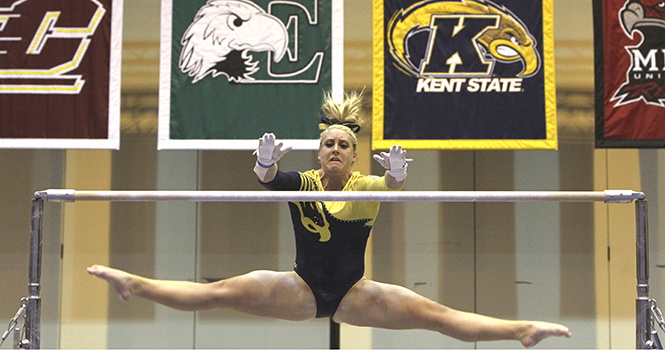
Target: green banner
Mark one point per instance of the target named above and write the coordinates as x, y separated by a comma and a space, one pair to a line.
232, 70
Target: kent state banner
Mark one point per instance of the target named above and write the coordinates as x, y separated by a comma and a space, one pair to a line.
232, 70
60, 73
464, 74
630, 73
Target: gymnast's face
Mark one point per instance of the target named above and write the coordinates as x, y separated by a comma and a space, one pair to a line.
336, 153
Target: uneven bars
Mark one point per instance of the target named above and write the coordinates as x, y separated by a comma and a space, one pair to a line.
33, 312
608, 196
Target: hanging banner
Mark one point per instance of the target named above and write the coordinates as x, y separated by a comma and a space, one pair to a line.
630, 73
232, 70
60, 73
464, 74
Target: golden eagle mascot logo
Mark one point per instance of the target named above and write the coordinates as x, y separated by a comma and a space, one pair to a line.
444, 38
221, 36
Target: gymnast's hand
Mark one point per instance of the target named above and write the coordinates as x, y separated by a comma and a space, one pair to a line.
268, 153
394, 162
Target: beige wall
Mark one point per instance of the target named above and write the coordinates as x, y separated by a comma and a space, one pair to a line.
85, 240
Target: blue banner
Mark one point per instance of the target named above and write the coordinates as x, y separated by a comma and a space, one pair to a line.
453, 74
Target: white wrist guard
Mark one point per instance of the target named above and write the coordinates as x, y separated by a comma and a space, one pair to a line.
394, 162
398, 173
261, 171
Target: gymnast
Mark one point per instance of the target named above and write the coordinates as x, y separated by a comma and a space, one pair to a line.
327, 280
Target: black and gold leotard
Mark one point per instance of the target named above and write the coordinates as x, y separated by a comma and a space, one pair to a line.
331, 237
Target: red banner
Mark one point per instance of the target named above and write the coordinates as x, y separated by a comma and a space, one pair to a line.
60, 73
630, 73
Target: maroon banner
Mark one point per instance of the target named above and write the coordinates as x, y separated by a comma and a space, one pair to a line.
630, 73
60, 73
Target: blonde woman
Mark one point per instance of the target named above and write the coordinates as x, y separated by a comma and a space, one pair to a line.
331, 237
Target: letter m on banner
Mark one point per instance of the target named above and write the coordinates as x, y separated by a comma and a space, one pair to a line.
232, 70
630, 73
60, 73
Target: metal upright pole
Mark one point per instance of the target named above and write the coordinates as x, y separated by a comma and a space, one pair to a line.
643, 333
33, 312
334, 334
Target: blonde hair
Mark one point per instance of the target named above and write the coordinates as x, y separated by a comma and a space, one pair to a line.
342, 116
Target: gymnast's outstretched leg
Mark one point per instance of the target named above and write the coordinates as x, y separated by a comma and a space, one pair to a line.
281, 295
375, 304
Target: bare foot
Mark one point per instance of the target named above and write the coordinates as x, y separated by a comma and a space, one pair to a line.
538, 331
120, 280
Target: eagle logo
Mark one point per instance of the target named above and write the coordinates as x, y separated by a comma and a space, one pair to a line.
646, 75
461, 37
222, 35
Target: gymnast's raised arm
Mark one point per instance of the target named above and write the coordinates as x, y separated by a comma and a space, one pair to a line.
267, 156
395, 164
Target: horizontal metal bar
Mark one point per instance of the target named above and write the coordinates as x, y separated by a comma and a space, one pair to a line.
610, 196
